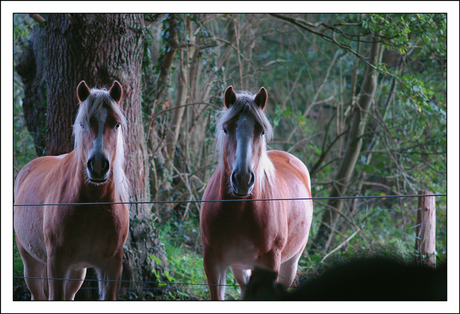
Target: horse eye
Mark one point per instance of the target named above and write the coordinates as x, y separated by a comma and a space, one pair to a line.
225, 130
263, 132
117, 126
82, 126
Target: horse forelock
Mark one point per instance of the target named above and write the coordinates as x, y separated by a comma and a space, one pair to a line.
93, 106
245, 103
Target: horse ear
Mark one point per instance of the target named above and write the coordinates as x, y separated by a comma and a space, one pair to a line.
261, 98
82, 91
230, 97
116, 91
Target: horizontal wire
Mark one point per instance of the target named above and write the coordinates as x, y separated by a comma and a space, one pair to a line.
240, 200
127, 281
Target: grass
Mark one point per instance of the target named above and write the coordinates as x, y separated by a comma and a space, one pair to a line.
186, 279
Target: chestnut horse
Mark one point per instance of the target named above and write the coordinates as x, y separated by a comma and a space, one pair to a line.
58, 242
241, 231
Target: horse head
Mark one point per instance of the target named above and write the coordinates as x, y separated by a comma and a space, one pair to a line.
243, 131
98, 130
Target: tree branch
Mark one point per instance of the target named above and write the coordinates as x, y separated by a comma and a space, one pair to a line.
37, 17
327, 38
315, 168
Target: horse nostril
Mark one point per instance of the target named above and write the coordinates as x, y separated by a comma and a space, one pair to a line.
98, 166
251, 179
105, 166
234, 181
90, 165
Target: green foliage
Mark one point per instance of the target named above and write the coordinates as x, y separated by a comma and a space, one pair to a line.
186, 279
403, 32
384, 231
398, 30
18, 266
24, 149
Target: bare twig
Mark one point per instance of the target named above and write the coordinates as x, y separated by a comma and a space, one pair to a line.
186, 105
340, 245
317, 93
329, 39
324, 153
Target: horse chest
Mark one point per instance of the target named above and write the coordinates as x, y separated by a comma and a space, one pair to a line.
245, 230
90, 231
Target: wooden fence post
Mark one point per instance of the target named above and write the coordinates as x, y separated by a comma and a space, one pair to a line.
425, 238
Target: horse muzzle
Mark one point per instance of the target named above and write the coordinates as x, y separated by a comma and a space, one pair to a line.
98, 169
242, 183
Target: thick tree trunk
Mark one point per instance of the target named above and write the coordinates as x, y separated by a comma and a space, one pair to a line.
358, 124
100, 48
32, 72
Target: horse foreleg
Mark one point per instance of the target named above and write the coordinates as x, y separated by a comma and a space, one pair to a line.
288, 269
108, 276
34, 271
270, 260
242, 277
77, 277
215, 274
57, 271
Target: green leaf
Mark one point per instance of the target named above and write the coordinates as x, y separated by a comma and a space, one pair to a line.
170, 278
156, 259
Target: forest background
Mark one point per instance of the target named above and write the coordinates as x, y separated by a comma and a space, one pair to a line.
314, 67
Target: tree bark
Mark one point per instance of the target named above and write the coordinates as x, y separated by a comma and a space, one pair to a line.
425, 232
32, 72
358, 124
177, 114
101, 48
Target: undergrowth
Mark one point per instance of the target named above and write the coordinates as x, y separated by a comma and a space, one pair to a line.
186, 279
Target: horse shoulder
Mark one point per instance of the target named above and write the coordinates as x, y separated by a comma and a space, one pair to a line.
211, 212
214, 185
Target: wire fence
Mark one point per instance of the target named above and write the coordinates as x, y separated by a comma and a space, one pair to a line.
236, 200
161, 285
128, 281
146, 285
